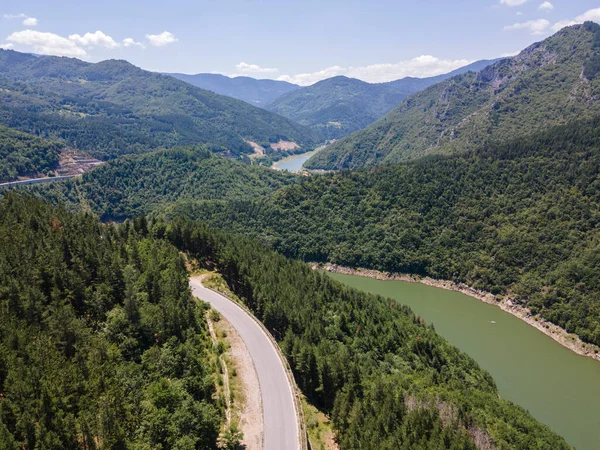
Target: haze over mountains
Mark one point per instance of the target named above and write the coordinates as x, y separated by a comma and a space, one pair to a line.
549, 83
251, 90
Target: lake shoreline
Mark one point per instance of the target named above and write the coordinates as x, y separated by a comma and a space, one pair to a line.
509, 305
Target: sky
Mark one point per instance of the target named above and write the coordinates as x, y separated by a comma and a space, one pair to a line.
296, 41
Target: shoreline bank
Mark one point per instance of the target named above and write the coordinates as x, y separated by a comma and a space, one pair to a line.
509, 305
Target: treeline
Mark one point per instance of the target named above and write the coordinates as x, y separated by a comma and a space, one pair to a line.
517, 219
388, 380
22, 154
101, 344
134, 185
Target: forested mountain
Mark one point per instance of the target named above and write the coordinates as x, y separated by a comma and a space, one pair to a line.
388, 381
340, 105
518, 219
101, 343
136, 184
549, 83
23, 154
256, 92
112, 107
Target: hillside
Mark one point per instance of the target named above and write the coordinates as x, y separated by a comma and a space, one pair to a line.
253, 91
340, 105
112, 108
25, 155
138, 184
549, 83
101, 340
518, 219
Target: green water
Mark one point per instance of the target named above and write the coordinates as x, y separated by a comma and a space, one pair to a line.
293, 163
557, 386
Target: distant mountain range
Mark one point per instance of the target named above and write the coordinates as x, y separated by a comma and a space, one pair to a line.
549, 83
334, 107
112, 108
253, 91
341, 105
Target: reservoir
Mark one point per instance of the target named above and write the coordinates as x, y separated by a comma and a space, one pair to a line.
557, 386
294, 163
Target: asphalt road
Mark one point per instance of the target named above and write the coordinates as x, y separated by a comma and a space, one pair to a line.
279, 410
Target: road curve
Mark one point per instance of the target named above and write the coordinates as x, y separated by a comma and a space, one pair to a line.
279, 410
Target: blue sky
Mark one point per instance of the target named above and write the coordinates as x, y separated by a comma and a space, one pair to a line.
303, 42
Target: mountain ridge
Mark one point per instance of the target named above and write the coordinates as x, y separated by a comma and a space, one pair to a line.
542, 86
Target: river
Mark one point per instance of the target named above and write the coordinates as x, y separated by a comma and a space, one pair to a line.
557, 386
293, 163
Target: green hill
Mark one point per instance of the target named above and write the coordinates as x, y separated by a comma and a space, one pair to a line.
113, 108
548, 84
137, 184
340, 105
253, 91
25, 155
518, 219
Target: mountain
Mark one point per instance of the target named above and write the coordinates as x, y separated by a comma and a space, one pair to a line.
340, 105
518, 219
113, 107
137, 184
22, 154
253, 91
549, 83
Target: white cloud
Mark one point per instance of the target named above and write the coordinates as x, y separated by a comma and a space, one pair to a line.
510, 54
47, 43
253, 68
6, 46
30, 22
97, 39
546, 6
592, 15
422, 66
539, 26
562, 24
519, 13
162, 39
15, 16
512, 2
130, 42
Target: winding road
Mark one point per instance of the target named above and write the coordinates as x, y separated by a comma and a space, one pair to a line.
279, 409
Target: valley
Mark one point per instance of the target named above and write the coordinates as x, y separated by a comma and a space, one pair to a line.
361, 256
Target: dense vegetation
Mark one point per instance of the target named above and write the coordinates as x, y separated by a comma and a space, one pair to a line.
340, 105
540, 88
101, 344
137, 184
22, 154
388, 380
253, 91
112, 107
516, 219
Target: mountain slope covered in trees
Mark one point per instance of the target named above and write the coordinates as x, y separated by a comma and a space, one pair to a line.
253, 91
23, 154
517, 219
340, 105
388, 380
549, 83
136, 184
101, 343
112, 107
